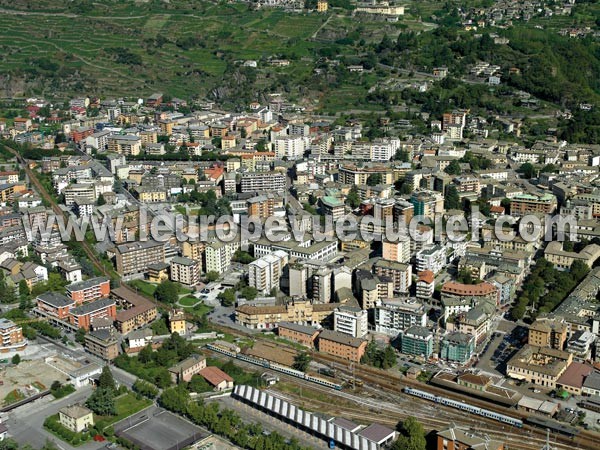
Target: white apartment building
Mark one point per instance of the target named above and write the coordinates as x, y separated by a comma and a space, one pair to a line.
264, 273
218, 255
291, 147
431, 258
395, 315
351, 320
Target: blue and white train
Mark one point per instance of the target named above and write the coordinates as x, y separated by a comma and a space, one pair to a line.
276, 367
464, 407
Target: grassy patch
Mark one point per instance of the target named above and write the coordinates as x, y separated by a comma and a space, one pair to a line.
143, 287
126, 405
188, 300
13, 397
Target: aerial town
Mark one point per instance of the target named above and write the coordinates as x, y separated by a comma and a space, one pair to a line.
218, 272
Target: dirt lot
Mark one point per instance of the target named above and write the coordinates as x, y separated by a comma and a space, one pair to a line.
27, 377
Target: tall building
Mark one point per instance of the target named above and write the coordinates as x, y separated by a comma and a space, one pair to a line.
134, 257
264, 273
217, 255
396, 251
457, 347
432, 258
417, 341
298, 279
351, 320
320, 282
547, 332
392, 316
427, 203
263, 181
399, 273
12, 336
425, 284
185, 271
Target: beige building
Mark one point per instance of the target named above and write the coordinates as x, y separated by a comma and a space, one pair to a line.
148, 194
186, 369
546, 332
563, 259
295, 311
539, 365
185, 271
126, 145
76, 418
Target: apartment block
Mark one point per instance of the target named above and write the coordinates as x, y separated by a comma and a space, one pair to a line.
392, 316
351, 320
12, 336
82, 316
124, 144
264, 273
89, 290
263, 181
134, 257
185, 271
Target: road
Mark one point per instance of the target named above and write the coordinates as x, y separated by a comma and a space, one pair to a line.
26, 424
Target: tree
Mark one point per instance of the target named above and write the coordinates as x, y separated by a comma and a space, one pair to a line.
16, 359
242, 257
106, 380
412, 437
452, 199
167, 292
102, 402
353, 198
101, 201
227, 297
80, 336
301, 361
199, 384
374, 179
453, 168
527, 170
211, 276
249, 293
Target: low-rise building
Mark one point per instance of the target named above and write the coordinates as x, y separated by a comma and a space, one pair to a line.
186, 369
76, 418
12, 336
102, 343
217, 378
538, 365
177, 322
83, 315
455, 438
342, 345
301, 334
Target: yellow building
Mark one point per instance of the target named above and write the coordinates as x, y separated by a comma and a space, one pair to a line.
151, 195
177, 322
76, 418
546, 332
322, 6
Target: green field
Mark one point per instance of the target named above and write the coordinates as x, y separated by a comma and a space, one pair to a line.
143, 287
188, 301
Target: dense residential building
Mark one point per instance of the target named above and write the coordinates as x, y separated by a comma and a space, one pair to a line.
399, 273
548, 332
12, 336
217, 255
433, 259
563, 259
185, 271
524, 204
457, 347
341, 345
135, 257
425, 285
264, 273
52, 304
417, 341
351, 320
128, 145
102, 343
137, 311
89, 290
392, 316
263, 181
83, 315
398, 251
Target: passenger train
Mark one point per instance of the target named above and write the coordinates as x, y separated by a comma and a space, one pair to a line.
276, 367
464, 407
